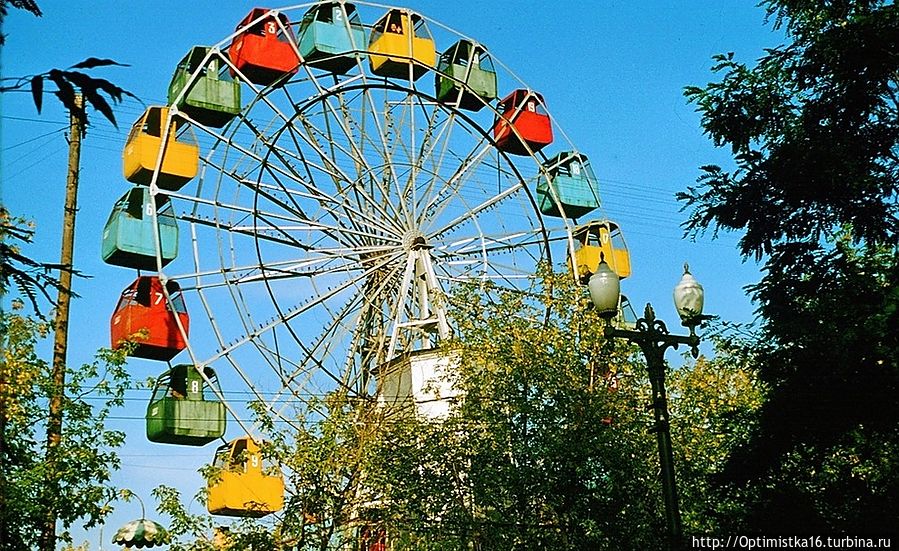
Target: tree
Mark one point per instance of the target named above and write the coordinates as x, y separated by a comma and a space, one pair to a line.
814, 131
78, 488
550, 446
540, 452
31, 279
73, 87
714, 409
322, 455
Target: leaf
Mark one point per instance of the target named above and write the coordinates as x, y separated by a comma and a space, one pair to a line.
66, 92
92, 62
100, 104
112, 90
37, 90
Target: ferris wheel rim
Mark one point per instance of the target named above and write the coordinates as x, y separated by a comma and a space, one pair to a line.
225, 138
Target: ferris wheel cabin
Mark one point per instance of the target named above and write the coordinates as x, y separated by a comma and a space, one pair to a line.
245, 487
129, 237
144, 316
179, 413
210, 96
600, 239
179, 160
627, 317
329, 36
262, 51
465, 76
569, 183
400, 42
523, 126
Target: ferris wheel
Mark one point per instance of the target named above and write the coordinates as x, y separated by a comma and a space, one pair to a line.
319, 184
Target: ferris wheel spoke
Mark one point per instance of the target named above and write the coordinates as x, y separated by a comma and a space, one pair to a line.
383, 149
439, 200
370, 339
337, 174
474, 245
304, 307
320, 348
272, 274
314, 134
327, 202
335, 261
474, 211
218, 336
364, 201
316, 353
434, 129
442, 139
250, 272
282, 154
476, 270
396, 155
343, 120
244, 230
385, 233
295, 219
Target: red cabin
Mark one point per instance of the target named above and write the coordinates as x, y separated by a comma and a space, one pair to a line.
143, 315
522, 124
262, 50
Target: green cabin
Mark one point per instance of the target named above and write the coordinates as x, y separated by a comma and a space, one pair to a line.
212, 97
179, 413
570, 183
465, 76
128, 237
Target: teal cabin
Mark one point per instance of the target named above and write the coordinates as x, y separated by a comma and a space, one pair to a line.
128, 237
330, 35
179, 413
465, 76
570, 178
213, 99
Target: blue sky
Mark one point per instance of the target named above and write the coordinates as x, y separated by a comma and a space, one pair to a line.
612, 73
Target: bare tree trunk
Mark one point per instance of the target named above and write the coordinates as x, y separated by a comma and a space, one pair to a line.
60, 343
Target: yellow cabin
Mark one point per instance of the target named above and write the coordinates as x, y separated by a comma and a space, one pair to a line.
402, 39
246, 487
179, 162
600, 238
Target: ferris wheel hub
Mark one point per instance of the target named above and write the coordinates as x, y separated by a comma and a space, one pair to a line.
414, 240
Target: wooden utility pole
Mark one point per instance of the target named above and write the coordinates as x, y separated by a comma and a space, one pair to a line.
60, 342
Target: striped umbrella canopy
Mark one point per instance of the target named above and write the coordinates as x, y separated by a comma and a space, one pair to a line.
141, 533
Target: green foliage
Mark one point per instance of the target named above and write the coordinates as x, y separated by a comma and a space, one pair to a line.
78, 488
714, 410
813, 130
549, 446
195, 530
326, 467
814, 127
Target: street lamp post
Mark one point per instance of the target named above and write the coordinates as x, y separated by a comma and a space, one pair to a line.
653, 338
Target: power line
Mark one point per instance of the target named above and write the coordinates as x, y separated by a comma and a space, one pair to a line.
54, 132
